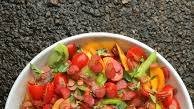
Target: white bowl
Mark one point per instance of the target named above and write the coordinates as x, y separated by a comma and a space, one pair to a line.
17, 92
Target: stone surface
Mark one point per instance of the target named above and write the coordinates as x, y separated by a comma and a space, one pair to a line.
29, 26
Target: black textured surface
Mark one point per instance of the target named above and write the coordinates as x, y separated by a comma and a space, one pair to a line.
29, 26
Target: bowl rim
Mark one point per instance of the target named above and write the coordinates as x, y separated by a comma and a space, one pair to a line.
101, 34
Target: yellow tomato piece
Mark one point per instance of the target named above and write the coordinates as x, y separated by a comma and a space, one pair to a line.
158, 82
146, 86
123, 58
57, 103
158, 106
92, 46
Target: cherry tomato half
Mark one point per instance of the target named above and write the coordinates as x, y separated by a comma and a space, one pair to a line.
166, 95
36, 91
174, 104
94, 64
136, 53
80, 59
49, 92
111, 89
71, 49
60, 80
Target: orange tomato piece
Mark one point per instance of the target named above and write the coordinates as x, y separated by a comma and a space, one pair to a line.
158, 80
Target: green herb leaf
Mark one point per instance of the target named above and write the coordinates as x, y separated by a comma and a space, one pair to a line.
153, 98
128, 77
102, 52
36, 70
136, 86
119, 103
58, 55
87, 72
82, 87
72, 99
79, 49
61, 67
101, 79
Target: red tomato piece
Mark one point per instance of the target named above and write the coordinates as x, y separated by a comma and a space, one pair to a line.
49, 92
111, 89
166, 73
121, 84
137, 102
73, 69
110, 71
131, 64
65, 92
36, 91
100, 92
174, 104
47, 106
80, 59
89, 100
84, 106
60, 80
94, 64
128, 95
166, 95
71, 49
136, 53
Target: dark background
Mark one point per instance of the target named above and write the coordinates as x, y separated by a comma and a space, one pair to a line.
29, 26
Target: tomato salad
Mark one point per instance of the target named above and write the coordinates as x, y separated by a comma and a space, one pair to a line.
100, 76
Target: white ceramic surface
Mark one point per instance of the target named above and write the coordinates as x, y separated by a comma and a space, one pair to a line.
18, 90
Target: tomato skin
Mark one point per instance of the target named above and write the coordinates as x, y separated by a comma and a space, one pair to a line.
128, 95
89, 100
110, 71
94, 64
136, 53
100, 92
65, 92
166, 73
60, 80
47, 106
166, 95
73, 69
71, 49
121, 84
80, 59
111, 89
174, 104
49, 92
36, 91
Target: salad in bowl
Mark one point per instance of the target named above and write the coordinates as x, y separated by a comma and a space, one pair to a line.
99, 74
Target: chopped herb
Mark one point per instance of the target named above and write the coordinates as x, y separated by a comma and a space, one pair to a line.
102, 52
121, 105
82, 87
120, 92
58, 55
128, 77
36, 71
61, 68
72, 99
88, 73
101, 79
117, 102
79, 49
153, 98
136, 86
